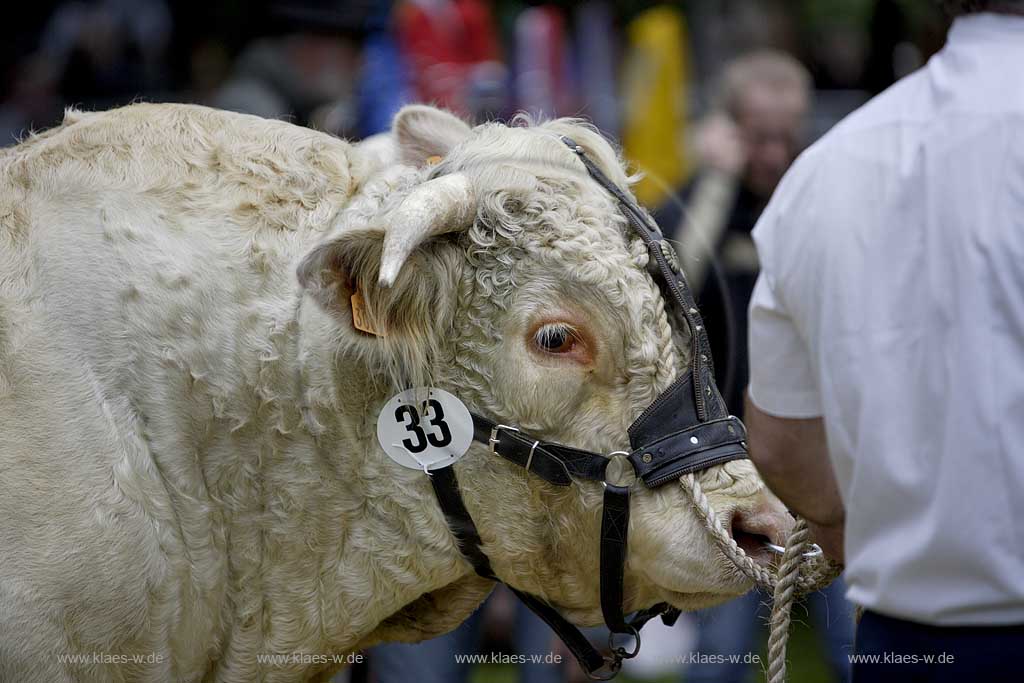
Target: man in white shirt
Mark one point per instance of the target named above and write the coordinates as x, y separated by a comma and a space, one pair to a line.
886, 399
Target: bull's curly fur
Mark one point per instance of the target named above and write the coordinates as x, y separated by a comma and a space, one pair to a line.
188, 460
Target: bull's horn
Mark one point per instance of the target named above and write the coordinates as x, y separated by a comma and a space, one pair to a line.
441, 205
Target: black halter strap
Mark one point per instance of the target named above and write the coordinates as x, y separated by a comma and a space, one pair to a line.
686, 429
595, 664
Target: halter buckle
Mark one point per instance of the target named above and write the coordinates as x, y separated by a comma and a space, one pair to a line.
493, 441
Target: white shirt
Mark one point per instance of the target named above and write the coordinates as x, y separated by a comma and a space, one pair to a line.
891, 304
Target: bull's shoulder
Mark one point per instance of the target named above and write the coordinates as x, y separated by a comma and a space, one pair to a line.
236, 162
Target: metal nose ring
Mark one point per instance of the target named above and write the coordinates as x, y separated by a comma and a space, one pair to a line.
815, 550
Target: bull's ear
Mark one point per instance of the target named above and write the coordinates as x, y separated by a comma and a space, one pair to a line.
425, 133
343, 275
387, 279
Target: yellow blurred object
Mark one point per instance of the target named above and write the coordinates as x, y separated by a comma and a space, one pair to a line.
656, 85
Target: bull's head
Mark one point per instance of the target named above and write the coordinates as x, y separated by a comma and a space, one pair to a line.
493, 267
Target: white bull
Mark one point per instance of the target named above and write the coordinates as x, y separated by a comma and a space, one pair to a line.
189, 474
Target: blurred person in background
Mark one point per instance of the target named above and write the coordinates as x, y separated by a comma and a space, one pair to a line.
755, 130
90, 55
886, 400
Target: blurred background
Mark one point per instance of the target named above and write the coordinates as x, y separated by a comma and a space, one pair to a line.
344, 66
711, 99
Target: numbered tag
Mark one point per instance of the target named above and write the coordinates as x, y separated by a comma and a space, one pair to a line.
425, 428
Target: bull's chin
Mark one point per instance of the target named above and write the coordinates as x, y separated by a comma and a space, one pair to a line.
724, 581
689, 602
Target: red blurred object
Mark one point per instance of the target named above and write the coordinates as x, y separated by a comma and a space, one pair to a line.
444, 42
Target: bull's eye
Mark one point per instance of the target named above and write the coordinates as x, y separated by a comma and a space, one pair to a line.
556, 338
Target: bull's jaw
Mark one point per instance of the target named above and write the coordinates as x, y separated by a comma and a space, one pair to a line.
728, 583
432, 614
690, 602
685, 601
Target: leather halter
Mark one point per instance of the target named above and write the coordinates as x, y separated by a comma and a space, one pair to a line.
686, 429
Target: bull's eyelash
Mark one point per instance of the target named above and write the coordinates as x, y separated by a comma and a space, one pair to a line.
551, 331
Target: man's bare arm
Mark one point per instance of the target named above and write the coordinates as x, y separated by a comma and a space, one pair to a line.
792, 458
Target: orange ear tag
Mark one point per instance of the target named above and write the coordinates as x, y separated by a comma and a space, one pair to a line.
360, 319
433, 160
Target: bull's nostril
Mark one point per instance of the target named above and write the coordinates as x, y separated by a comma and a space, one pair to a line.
753, 531
761, 521
751, 543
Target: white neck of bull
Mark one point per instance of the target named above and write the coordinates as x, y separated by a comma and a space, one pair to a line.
312, 532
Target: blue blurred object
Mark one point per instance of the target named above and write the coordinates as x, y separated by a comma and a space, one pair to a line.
383, 84
595, 40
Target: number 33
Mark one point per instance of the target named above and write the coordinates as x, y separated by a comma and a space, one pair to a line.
408, 415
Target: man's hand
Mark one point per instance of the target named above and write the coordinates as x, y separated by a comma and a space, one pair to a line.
830, 538
792, 457
719, 145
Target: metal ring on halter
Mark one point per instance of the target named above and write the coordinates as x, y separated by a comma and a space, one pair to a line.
620, 651
626, 476
815, 550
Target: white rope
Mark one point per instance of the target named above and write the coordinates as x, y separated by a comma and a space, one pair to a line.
787, 583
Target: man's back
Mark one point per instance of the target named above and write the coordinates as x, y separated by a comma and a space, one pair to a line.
893, 256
